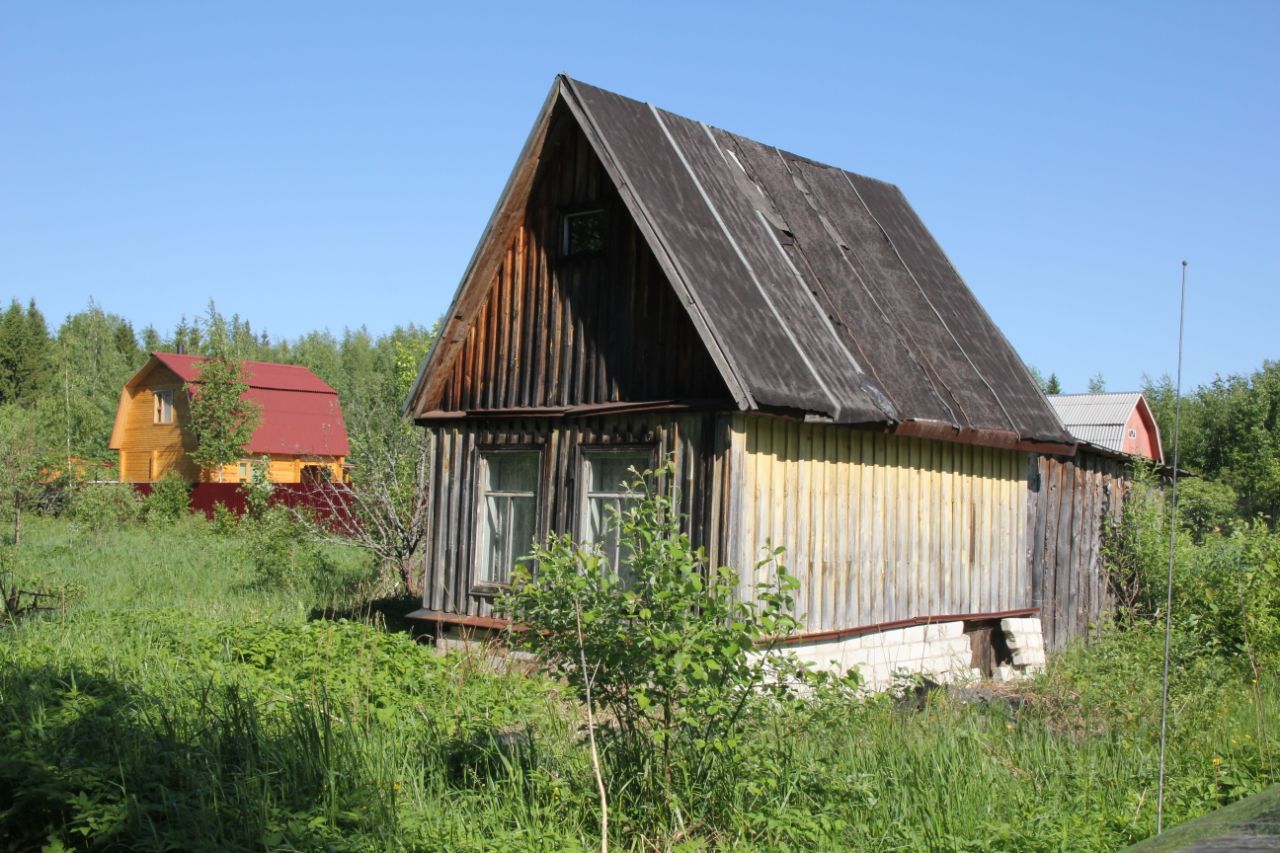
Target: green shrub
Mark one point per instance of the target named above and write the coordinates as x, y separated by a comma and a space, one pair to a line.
669, 658
170, 499
1226, 586
258, 489
105, 506
282, 552
1206, 506
225, 521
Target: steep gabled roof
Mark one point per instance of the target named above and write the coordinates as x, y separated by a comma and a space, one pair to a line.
815, 290
1101, 418
301, 415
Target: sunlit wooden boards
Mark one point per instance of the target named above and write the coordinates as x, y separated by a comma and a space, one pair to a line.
878, 527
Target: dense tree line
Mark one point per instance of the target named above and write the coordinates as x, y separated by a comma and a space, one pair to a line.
1230, 436
68, 380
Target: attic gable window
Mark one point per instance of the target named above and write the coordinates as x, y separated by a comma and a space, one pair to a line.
583, 233
164, 406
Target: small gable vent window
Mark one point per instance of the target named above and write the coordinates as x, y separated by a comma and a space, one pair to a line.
583, 233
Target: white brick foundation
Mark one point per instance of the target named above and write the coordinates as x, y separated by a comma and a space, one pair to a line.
939, 651
1026, 643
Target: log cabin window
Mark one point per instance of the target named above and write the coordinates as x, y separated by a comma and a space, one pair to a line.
609, 491
508, 511
164, 406
583, 233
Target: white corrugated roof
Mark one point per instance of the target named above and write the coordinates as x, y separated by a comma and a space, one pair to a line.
1096, 418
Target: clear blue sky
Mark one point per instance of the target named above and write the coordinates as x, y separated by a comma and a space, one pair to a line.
325, 164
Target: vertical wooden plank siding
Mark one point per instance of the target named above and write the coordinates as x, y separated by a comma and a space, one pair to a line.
593, 328
1070, 503
450, 558
869, 521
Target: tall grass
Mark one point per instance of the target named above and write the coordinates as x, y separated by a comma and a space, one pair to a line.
176, 703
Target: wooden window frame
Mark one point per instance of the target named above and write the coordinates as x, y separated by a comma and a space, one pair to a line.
585, 493
162, 404
481, 585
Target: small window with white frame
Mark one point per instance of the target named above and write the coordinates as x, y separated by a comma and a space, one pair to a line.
164, 405
508, 508
608, 492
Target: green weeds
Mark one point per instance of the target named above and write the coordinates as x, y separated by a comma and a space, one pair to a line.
179, 703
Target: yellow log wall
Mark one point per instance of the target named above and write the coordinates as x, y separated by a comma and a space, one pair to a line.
149, 450
878, 527
281, 468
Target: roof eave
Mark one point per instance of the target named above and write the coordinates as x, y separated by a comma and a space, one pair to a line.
484, 260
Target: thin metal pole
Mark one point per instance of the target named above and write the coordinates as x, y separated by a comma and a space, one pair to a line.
1173, 538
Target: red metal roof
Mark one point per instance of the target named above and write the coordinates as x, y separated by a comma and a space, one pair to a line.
259, 374
301, 414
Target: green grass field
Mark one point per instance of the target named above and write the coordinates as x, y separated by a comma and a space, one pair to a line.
176, 703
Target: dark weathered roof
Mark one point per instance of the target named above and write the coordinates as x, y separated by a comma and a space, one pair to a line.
815, 290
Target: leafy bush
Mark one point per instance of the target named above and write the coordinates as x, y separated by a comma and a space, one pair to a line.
104, 506
169, 500
669, 657
225, 521
282, 552
258, 489
1206, 506
1226, 586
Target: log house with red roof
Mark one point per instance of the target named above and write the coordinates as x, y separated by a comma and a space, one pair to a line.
301, 430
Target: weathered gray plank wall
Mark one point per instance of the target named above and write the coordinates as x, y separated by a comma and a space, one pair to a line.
686, 438
597, 328
1071, 501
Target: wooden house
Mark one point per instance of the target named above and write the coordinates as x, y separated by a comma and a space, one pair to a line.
791, 336
1120, 422
301, 431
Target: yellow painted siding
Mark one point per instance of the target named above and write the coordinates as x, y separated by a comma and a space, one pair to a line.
281, 468
149, 450
879, 527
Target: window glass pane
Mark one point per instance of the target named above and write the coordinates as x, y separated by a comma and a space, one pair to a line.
495, 529
611, 471
164, 407
511, 472
609, 494
509, 513
523, 511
